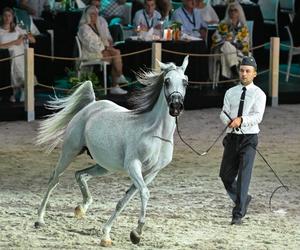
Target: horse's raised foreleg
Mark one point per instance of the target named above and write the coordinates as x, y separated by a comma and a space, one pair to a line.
64, 160
82, 176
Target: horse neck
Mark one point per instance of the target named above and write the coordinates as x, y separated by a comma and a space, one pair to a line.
159, 118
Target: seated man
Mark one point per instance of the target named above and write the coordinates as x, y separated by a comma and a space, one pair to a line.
35, 9
191, 19
148, 17
115, 8
164, 7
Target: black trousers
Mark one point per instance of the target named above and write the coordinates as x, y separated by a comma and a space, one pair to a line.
236, 168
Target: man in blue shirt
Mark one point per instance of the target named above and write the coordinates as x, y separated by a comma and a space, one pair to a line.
191, 19
243, 110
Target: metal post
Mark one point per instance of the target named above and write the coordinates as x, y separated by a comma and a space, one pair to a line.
156, 54
29, 84
274, 70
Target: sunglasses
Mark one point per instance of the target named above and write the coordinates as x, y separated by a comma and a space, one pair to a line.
233, 10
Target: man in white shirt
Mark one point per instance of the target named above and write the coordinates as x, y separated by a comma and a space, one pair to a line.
243, 110
148, 17
191, 19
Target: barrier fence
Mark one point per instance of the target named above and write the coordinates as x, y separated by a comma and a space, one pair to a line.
155, 55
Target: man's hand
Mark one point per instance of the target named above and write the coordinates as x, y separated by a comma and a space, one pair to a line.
236, 122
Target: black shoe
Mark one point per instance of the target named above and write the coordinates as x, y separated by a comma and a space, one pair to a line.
249, 198
236, 220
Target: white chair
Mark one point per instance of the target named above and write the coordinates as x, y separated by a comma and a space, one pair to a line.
292, 52
84, 63
269, 9
288, 6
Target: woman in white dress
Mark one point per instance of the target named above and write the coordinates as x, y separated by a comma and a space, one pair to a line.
96, 42
12, 38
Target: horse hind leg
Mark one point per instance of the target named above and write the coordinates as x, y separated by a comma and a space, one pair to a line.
67, 155
82, 177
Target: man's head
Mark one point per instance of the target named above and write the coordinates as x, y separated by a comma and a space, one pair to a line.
188, 4
149, 6
96, 3
248, 69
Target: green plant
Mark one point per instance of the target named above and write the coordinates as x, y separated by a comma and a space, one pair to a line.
84, 76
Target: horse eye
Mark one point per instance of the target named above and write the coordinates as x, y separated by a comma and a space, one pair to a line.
167, 82
185, 83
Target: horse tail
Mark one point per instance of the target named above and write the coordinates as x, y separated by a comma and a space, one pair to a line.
51, 130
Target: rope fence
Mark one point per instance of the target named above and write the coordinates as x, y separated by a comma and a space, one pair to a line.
12, 57
273, 68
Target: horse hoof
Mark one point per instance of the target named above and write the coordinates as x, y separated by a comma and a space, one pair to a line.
38, 224
79, 212
135, 237
106, 243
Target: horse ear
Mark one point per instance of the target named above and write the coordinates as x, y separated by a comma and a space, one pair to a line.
185, 63
162, 65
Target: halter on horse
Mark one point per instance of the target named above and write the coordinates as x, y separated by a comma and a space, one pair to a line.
138, 142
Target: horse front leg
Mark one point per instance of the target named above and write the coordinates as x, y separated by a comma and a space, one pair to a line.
105, 239
135, 234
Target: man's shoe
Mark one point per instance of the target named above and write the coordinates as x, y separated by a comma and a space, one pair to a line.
236, 220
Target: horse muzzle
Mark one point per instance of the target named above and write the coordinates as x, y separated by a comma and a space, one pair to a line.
175, 105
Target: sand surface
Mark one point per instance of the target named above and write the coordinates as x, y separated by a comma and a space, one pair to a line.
188, 207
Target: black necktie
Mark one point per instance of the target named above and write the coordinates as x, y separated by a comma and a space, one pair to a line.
241, 106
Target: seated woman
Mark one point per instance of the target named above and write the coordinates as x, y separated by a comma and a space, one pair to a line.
96, 42
231, 39
207, 12
12, 38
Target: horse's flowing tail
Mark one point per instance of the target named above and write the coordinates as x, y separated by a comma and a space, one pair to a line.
51, 130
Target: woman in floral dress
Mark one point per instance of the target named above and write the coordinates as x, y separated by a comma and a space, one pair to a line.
231, 40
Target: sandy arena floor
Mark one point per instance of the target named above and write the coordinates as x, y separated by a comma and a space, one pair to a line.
188, 207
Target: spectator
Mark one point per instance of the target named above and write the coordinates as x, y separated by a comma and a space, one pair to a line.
207, 12
148, 17
232, 40
164, 7
115, 30
97, 43
12, 38
34, 7
115, 8
191, 19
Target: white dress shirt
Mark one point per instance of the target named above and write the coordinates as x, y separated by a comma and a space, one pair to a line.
253, 110
142, 18
190, 22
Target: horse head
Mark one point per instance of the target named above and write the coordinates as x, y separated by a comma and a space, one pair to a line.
175, 83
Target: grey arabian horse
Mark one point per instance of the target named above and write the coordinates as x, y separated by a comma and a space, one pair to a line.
138, 141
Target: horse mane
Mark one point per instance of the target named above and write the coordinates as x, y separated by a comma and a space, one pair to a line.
144, 99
